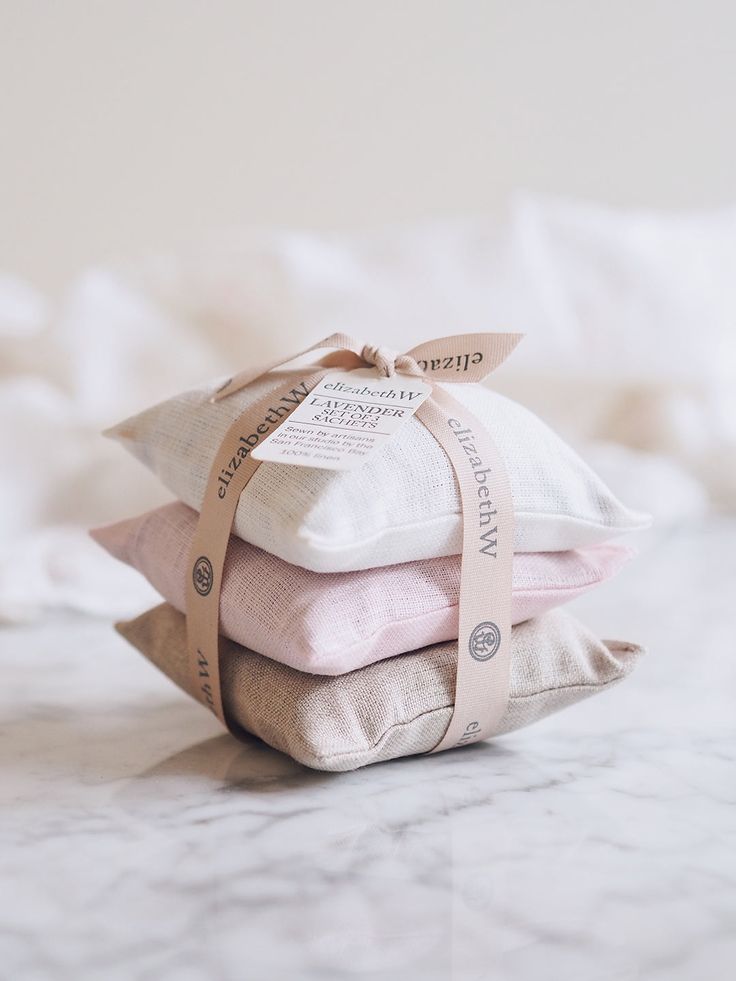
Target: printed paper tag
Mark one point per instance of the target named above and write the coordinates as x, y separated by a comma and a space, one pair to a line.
344, 419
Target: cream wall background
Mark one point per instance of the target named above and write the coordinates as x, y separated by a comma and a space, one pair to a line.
140, 125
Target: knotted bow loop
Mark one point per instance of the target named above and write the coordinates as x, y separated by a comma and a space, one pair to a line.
459, 358
389, 362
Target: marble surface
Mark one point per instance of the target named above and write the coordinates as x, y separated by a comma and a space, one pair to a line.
600, 845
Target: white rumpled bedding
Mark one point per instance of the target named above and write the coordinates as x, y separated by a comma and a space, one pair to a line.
630, 354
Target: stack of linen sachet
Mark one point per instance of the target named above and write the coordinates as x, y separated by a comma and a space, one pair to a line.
339, 595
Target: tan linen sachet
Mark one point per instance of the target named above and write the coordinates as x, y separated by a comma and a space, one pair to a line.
397, 707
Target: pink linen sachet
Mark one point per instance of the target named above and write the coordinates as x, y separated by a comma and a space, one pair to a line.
332, 623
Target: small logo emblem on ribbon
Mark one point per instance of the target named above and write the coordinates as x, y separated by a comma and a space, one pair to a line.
484, 641
202, 575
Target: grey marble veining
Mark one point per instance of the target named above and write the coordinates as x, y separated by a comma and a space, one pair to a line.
138, 842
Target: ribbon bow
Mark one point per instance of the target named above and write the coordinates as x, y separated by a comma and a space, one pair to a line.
387, 361
484, 619
463, 358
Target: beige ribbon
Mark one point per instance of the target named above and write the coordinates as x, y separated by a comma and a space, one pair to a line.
481, 689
